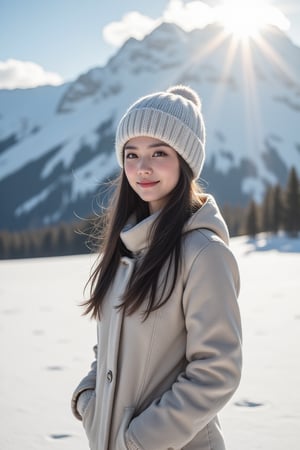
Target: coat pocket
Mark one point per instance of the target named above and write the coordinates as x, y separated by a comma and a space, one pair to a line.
120, 441
88, 415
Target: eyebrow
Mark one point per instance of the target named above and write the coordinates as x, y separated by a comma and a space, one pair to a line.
154, 145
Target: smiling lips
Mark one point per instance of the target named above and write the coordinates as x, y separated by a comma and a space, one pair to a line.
147, 184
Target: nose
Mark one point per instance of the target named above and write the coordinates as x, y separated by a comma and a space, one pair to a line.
144, 166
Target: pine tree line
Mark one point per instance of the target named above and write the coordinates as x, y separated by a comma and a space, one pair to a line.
60, 240
279, 210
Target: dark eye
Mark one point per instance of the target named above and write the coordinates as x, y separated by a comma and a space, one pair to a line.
159, 153
130, 155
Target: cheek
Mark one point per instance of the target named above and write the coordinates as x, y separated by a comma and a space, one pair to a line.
174, 171
177, 171
129, 170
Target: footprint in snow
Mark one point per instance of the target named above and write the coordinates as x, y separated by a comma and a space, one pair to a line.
59, 436
248, 404
54, 368
11, 311
38, 332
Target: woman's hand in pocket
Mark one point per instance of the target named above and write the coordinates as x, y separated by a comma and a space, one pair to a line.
83, 400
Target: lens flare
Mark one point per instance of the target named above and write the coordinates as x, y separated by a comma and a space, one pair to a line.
246, 18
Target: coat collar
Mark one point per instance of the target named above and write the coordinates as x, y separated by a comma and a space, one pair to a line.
135, 236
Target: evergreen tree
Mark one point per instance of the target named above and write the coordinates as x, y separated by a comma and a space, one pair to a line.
62, 247
4, 245
234, 217
16, 245
251, 220
266, 213
292, 205
276, 209
48, 243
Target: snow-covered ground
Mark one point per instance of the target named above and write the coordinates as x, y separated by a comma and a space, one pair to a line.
46, 347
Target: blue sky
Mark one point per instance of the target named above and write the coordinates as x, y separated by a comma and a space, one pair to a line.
67, 37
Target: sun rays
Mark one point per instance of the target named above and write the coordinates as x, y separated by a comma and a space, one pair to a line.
246, 33
246, 18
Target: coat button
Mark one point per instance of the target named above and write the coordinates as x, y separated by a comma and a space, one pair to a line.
109, 376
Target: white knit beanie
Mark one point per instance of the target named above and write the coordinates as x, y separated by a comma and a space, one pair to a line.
173, 117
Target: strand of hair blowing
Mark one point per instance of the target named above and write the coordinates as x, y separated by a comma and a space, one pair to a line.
123, 203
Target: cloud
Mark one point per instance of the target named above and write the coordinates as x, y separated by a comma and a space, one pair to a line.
25, 74
276, 17
194, 14
191, 15
133, 24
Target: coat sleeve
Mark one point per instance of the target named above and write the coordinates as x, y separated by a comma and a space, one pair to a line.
213, 354
88, 382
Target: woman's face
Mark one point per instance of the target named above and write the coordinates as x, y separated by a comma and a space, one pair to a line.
152, 169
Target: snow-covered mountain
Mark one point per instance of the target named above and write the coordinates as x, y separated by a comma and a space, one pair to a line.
57, 143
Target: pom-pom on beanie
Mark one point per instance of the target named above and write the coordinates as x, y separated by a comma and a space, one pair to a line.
174, 117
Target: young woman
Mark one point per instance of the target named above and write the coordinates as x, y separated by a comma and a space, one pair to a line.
164, 292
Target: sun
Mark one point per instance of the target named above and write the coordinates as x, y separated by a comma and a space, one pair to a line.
246, 18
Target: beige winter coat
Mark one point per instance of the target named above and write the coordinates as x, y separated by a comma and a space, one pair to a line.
159, 384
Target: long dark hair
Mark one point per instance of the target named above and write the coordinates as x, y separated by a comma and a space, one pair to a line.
164, 248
